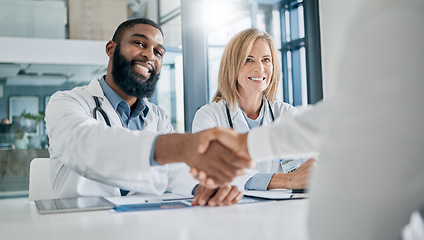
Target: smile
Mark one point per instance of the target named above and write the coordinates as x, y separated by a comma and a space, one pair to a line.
257, 78
142, 69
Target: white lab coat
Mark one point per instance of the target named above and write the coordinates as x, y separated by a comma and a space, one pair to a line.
89, 158
215, 115
370, 134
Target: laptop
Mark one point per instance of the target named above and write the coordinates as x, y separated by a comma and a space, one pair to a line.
73, 204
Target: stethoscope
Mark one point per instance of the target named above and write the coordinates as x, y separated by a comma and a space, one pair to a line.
101, 111
230, 122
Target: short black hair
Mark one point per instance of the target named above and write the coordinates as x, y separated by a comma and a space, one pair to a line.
129, 24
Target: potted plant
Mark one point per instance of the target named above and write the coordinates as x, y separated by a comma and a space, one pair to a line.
36, 118
20, 141
34, 139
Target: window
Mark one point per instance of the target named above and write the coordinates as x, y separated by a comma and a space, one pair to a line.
234, 17
287, 22
301, 53
208, 26
169, 90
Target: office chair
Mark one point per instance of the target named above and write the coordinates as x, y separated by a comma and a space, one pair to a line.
40, 184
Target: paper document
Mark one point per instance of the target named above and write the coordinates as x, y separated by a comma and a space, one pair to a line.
138, 199
152, 206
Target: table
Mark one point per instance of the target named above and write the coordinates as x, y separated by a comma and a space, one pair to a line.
19, 219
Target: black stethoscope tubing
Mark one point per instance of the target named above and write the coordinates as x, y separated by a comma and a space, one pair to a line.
230, 122
101, 111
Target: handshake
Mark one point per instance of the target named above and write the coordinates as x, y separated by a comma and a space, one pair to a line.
216, 156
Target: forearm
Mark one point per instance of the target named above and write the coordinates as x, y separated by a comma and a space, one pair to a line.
281, 180
170, 148
294, 180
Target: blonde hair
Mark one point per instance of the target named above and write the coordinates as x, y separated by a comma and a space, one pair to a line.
233, 60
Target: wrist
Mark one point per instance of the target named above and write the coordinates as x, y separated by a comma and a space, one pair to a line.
169, 148
280, 180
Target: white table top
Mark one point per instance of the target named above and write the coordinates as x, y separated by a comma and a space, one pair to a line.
19, 219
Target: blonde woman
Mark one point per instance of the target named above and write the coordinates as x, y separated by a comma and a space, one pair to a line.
248, 79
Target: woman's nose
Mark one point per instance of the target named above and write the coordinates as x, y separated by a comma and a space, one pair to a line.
259, 66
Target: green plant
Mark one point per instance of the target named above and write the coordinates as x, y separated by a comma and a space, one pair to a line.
37, 118
19, 134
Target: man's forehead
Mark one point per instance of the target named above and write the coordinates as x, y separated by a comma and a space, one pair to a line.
146, 30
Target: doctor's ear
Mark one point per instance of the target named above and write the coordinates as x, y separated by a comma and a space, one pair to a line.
110, 48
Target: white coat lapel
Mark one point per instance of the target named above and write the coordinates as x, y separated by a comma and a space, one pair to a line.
95, 89
267, 114
239, 122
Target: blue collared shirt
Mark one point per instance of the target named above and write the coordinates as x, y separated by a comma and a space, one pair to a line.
259, 181
131, 120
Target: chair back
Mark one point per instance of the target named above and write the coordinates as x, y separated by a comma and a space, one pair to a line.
40, 184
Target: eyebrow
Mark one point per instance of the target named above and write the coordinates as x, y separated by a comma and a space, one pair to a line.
262, 56
145, 37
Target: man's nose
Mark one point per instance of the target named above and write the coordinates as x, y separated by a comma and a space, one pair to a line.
148, 55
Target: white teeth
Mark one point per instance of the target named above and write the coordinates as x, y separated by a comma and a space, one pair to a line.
144, 69
257, 79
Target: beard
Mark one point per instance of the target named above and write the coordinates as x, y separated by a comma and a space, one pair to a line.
130, 82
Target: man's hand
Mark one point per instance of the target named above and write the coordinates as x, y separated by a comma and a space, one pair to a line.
224, 195
227, 137
220, 164
297, 179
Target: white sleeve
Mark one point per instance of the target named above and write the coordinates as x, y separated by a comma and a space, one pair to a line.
180, 180
293, 135
112, 155
204, 118
241, 181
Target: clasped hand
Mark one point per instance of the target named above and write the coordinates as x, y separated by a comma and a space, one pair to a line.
229, 142
218, 155
223, 195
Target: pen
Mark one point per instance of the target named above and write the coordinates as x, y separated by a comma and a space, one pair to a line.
177, 199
